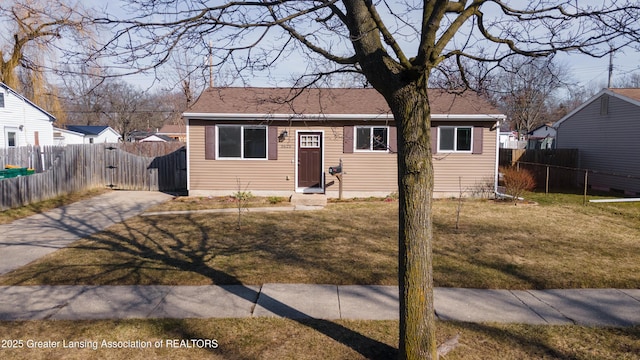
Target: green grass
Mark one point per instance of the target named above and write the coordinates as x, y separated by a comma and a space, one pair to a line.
558, 244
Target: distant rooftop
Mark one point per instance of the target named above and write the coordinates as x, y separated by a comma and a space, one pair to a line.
87, 129
173, 129
632, 93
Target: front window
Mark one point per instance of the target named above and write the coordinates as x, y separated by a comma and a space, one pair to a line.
370, 138
242, 142
453, 139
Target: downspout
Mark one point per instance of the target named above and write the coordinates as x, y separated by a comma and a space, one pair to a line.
188, 154
495, 175
496, 193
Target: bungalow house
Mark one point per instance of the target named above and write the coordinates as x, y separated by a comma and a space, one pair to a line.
605, 131
23, 122
85, 134
254, 138
157, 138
541, 137
174, 131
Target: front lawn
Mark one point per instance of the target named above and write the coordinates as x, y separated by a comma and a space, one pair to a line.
557, 244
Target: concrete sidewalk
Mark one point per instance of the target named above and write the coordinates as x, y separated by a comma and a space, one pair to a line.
590, 307
28, 239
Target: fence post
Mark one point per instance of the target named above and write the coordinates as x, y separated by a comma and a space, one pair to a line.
546, 188
586, 178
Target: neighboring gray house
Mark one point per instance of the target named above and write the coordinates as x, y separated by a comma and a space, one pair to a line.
606, 132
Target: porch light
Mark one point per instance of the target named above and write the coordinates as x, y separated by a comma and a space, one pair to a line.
283, 135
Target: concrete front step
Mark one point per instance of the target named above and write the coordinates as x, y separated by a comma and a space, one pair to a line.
309, 200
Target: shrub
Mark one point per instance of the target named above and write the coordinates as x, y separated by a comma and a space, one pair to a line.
483, 189
276, 199
242, 196
517, 181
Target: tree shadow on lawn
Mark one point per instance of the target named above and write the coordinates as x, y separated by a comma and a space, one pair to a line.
172, 251
538, 341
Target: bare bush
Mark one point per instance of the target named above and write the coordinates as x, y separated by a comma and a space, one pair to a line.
517, 181
483, 189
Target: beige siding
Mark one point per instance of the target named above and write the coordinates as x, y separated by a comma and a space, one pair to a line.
364, 172
223, 175
373, 173
471, 170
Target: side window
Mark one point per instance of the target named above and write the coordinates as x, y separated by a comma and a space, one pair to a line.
12, 138
455, 139
1, 100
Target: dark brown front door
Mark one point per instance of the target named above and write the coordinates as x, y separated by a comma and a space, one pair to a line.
310, 160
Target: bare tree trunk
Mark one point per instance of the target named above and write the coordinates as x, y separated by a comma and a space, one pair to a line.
415, 184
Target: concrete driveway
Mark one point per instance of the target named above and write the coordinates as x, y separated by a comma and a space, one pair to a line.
28, 239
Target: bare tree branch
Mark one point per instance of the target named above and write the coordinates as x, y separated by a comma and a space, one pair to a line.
359, 35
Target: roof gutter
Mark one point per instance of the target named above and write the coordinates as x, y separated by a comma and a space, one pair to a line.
320, 117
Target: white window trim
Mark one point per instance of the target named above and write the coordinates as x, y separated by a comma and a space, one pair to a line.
242, 158
8, 130
455, 139
303, 190
370, 150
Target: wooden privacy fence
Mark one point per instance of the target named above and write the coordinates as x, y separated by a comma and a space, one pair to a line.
557, 157
63, 170
539, 163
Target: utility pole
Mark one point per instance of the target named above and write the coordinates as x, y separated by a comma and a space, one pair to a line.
210, 65
610, 68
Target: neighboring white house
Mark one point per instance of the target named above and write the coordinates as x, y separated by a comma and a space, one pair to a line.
509, 140
542, 137
85, 134
157, 138
23, 122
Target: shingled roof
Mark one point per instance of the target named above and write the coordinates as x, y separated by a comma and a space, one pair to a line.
87, 129
632, 93
236, 100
